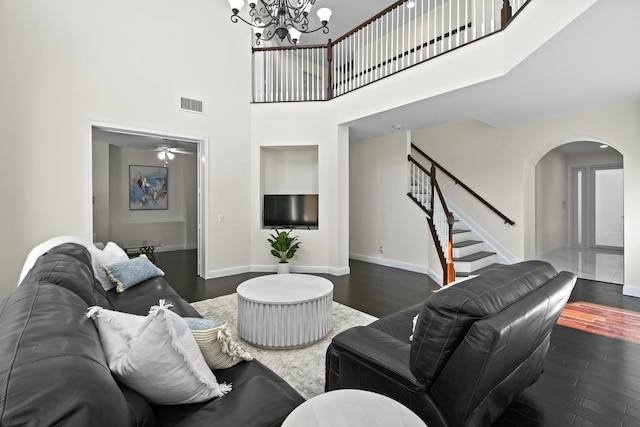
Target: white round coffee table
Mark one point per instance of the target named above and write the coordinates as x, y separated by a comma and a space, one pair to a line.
352, 408
284, 310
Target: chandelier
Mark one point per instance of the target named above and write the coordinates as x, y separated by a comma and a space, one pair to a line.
283, 18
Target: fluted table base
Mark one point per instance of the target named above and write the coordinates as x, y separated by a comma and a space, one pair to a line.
285, 310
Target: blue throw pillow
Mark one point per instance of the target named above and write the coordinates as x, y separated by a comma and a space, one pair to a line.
131, 272
201, 324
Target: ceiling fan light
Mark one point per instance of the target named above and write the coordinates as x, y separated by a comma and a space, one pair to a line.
170, 155
162, 155
324, 14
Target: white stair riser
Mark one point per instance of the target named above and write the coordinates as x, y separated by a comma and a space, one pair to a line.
468, 250
461, 237
469, 267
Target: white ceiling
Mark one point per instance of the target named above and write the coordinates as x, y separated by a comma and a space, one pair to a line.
347, 15
592, 63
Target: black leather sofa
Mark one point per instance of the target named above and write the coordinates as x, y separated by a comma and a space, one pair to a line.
476, 345
53, 369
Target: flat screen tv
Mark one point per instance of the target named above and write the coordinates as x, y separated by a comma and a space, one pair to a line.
290, 210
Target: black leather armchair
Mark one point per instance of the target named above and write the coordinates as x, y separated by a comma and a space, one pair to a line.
476, 345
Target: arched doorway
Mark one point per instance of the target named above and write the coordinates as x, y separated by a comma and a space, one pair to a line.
579, 210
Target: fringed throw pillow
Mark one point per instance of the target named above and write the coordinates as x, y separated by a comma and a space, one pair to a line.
156, 355
131, 272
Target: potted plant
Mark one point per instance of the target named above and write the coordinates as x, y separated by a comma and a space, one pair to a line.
284, 247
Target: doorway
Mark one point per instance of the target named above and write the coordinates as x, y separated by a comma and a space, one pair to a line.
579, 202
136, 139
597, 201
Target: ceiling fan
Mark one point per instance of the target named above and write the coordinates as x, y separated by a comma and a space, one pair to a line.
166, 153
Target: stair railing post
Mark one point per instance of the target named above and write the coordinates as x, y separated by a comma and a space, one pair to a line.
507, 13
432, 175
451, 272
329, 75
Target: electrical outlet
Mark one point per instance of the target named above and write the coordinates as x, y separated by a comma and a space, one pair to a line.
381, 249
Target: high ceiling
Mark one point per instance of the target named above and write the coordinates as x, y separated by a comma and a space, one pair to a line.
592, 63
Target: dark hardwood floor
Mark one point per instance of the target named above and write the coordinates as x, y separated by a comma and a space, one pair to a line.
589, 380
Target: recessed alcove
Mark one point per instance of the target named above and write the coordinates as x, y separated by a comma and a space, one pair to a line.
288, 170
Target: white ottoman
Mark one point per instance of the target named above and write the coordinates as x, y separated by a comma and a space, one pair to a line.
284, 310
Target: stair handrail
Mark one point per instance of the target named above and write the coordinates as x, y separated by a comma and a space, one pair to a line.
506, 219
446, 260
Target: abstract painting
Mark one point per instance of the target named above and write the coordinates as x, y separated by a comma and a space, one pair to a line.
148, 187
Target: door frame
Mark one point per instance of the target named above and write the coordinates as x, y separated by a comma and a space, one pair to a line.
202, 178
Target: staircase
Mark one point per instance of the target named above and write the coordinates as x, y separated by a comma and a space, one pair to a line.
470, 255
462, 253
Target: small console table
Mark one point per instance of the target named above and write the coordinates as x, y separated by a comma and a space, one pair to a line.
285, 310
146, 247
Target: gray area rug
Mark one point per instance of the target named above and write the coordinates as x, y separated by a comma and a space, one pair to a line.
302, 368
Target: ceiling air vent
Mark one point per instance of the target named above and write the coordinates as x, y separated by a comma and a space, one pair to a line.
192, 105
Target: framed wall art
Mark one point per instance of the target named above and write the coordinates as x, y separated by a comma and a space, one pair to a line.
148, 187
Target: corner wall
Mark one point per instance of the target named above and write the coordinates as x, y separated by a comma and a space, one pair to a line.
380, 213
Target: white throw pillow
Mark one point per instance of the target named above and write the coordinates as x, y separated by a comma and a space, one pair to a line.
413, 329
156, 355
111, 254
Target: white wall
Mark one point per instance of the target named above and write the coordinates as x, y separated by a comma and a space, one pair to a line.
380, 213
100, 182
321, 134
68, 63
173, 228
551, 202
289, 170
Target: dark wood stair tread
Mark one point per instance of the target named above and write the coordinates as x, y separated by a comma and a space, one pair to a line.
474, 257
458, 231
466, 243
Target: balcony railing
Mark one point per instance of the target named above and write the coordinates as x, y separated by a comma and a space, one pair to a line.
394, 40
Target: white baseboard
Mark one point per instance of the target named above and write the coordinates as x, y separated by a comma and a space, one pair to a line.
631, 291
437, 277
214, 274
224, 272
391, 263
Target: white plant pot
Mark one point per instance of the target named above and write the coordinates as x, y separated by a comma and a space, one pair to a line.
283, 268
